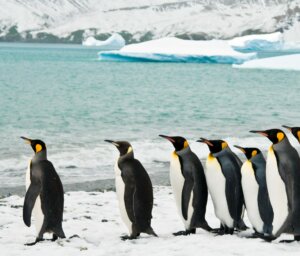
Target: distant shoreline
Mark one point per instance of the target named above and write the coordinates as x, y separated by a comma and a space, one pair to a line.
87, 186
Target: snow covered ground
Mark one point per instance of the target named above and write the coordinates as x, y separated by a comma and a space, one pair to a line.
94, 216
287, 62
171, 49
146, 18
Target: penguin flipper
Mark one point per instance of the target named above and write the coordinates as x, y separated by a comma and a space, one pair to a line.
30, 198
186, 196
264, 206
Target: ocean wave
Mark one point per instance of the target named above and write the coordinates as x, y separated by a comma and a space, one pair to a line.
79, 164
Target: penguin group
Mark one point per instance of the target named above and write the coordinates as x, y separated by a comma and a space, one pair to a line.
268, 189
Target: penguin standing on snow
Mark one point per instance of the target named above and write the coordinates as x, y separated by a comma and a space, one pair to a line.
255, 191
44, 194
189, 186
283, 182
296, 132
224, 184
134, 191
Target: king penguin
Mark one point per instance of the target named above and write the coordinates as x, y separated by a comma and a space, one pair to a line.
44, 194
283, 182
134, 191
223, 178
295, 131
189, 186
255, 191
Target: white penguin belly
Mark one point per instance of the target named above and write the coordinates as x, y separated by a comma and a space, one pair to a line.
277, 192
177, 182
216, 184
37, 212
250, 190
120, 190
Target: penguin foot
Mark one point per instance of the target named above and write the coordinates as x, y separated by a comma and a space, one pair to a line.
288, 241
254, 236
124, 238
226, 231
185, 233
215, 230
35, 242
266, 238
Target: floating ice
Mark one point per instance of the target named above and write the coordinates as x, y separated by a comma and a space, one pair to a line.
171, 49
115, 42
288, 62
261, 42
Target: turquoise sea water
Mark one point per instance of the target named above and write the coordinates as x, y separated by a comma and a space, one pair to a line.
66, 97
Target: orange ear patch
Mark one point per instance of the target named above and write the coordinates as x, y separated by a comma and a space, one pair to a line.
38, 148
280, 136
186, 144
254, 153
224, 145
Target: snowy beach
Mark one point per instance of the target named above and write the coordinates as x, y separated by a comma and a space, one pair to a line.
95, 218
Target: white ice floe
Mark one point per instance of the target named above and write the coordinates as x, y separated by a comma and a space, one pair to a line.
286, 62
114, 42
171, 49
96, 219
260, 42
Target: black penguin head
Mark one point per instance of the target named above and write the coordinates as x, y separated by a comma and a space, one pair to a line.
124, 147
37, 145
249, 152
274, 135
178, 142
295, 131
214, 146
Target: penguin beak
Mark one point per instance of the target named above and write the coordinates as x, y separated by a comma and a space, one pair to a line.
27, 141
167, 137
240, 148
287, 127
112, 142
206, 141
263, 133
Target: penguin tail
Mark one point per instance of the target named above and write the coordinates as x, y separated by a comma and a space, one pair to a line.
240, 225
59, 232
150, 231
204, 225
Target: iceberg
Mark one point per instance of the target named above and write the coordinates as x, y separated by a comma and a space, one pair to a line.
286, 62
114, 42
171, 49
263, 42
